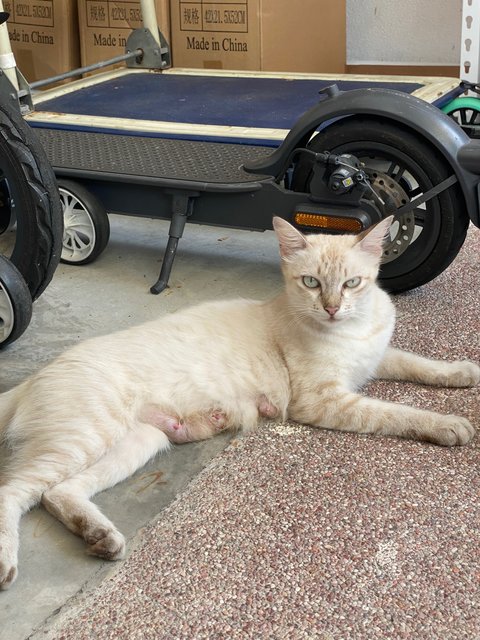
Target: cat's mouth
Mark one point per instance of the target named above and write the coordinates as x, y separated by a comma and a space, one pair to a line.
329, 320
320, 317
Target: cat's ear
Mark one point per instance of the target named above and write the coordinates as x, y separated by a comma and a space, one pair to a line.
289, 239
372, 239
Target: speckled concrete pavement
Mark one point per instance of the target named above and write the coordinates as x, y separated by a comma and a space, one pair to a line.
301, 534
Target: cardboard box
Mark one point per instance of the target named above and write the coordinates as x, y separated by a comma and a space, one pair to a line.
106, 24
44, 36
263, 35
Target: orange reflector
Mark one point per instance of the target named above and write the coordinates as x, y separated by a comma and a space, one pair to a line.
329, 223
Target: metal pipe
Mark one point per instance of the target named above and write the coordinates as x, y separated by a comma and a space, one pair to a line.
7, 59
149, 18
91, 67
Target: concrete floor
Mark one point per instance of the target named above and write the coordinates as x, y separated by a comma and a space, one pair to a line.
81, 302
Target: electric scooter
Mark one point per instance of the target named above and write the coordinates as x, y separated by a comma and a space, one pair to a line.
354, 157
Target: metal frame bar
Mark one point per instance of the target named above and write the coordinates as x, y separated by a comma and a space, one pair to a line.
91, 67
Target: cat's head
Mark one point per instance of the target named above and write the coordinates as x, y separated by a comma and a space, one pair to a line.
328, 277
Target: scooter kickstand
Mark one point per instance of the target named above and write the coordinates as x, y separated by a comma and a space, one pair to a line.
182, 207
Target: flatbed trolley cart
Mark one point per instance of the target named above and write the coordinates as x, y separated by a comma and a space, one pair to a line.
332, 154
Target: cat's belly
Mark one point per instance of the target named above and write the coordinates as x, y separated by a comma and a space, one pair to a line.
232, 382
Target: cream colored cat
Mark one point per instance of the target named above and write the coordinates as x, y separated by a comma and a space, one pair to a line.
101, 410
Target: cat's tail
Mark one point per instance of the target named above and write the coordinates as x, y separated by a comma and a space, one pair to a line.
8, 406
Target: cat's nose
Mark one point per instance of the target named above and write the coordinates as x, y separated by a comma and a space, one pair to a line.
331, 310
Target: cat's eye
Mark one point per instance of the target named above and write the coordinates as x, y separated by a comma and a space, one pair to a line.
310, 282
352, 283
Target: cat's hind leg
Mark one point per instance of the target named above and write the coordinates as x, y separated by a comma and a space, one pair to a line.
69, 500
403, 365
31, 469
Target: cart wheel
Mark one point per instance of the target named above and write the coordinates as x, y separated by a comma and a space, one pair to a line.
31, 221
15, 303
87, 228
466, 112
401, 166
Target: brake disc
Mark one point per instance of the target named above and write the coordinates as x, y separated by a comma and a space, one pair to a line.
403, 226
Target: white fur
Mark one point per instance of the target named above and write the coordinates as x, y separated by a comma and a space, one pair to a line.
75, 428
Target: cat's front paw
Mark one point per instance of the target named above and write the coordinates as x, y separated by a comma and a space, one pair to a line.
463, 373
450, 431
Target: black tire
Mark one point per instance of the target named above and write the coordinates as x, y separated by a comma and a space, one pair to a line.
28, 187
15, 303
438, 228
86, 224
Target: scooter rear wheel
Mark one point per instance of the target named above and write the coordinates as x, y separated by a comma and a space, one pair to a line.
401, 166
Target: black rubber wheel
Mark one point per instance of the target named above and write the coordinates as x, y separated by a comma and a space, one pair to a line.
401, 166
15, 303
30, 204
87, 228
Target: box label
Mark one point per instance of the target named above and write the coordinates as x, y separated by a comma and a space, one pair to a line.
38, 13
116, 15
214, 16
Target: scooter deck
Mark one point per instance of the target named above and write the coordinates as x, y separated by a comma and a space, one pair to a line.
203, 166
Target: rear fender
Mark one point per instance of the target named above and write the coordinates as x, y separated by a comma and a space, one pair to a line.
427, 121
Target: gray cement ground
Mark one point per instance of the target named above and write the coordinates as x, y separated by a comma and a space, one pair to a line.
81, 302
289, 533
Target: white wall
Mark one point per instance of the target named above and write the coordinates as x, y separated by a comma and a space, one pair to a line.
408, 32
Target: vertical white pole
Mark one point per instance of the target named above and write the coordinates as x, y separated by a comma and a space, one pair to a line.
470, 45
149, 17
7, 59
